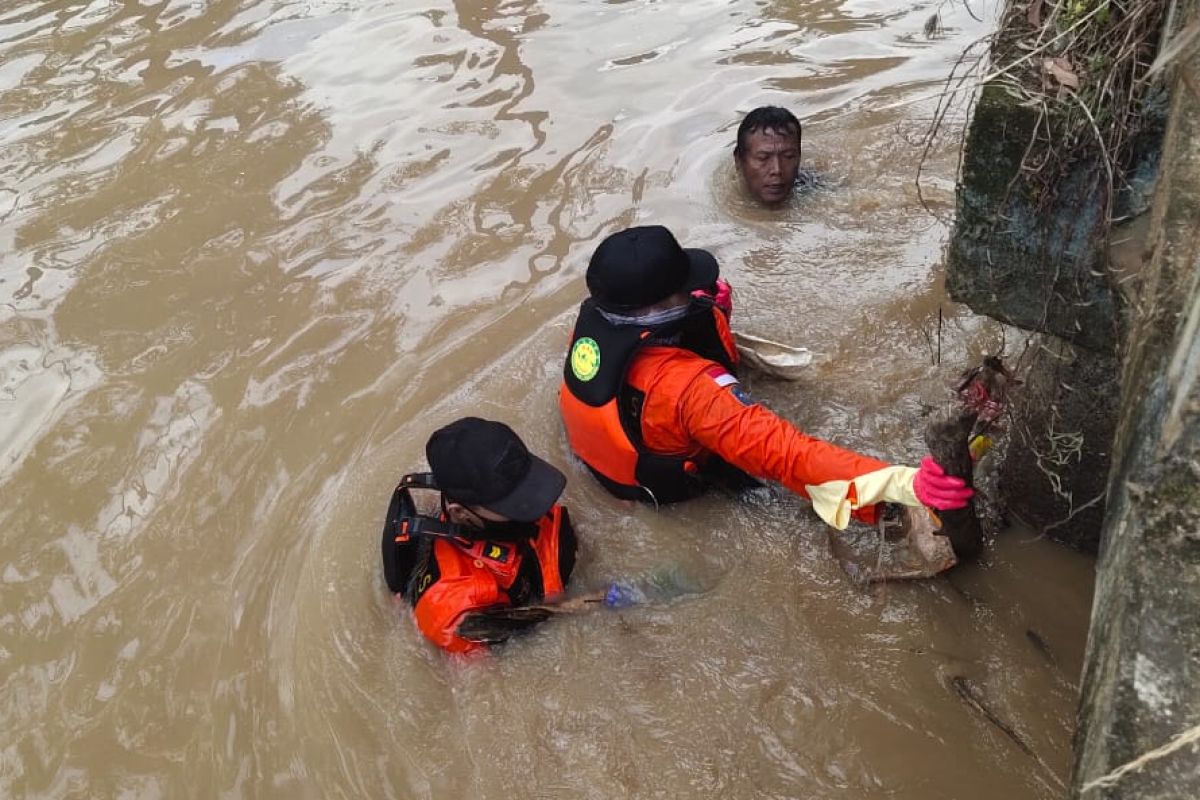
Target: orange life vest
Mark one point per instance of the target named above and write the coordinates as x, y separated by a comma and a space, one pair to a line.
444, 574
457, 579
601, 407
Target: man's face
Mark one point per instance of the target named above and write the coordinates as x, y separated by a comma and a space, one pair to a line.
472, 516
770, 164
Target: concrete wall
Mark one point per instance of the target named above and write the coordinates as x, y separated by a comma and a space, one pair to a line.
1024, 250
1054, 475
1141, 682
1021, 253
1030, 248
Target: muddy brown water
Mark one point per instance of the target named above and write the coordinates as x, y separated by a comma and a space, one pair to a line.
253, 253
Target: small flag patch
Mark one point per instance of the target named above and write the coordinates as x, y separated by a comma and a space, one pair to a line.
742, 395
721, 377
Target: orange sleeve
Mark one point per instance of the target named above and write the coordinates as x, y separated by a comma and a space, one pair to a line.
755, 440
443, 606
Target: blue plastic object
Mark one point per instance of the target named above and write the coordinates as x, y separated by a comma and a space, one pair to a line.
622, 595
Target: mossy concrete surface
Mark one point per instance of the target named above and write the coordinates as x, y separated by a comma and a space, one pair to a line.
1141, 681
1054, 474
1022, 253
1029, 256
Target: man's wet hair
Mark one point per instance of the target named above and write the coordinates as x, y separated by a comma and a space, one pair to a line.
764, 118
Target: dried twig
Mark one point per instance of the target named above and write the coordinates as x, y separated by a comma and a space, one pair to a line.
1190, 736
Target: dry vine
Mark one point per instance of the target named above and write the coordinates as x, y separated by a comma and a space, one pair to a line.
1083, 65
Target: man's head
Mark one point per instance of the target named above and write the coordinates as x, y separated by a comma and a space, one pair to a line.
638, 268
483, 467
767, 153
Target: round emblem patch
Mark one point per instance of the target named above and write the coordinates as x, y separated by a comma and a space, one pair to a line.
585, 358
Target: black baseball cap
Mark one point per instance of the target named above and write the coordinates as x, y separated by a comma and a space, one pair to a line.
638, 267
478, 462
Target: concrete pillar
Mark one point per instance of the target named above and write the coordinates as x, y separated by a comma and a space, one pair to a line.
1141, 681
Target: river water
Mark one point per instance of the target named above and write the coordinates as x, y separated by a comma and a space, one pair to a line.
253, 253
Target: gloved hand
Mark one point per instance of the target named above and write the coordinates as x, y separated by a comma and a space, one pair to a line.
934, 488
721, 294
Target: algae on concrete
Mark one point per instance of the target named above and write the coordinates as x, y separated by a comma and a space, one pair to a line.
1035, 205
1031, 252
1142, 664
1020, 254
1055, 470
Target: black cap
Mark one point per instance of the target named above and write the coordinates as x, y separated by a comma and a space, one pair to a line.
638, 267
478, 462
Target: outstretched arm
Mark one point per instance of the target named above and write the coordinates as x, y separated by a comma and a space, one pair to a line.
499, 623
839, 482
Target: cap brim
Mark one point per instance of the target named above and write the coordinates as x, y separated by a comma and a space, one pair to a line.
702, 269
534, 496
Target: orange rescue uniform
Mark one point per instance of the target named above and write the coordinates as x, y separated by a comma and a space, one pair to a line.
691, 408
460, 577
648, 406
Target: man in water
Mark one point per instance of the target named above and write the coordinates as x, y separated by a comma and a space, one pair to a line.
653, 407
475, 572
767, 154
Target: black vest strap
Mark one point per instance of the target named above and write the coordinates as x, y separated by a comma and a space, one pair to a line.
403, 527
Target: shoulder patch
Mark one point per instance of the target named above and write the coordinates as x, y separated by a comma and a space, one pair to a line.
497, 552
721, 376
585, 358
742, 395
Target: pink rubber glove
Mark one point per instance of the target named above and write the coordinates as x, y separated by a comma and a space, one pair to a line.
721, 294
934, 488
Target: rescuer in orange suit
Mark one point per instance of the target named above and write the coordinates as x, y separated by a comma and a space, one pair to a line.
652, 404
499, 543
